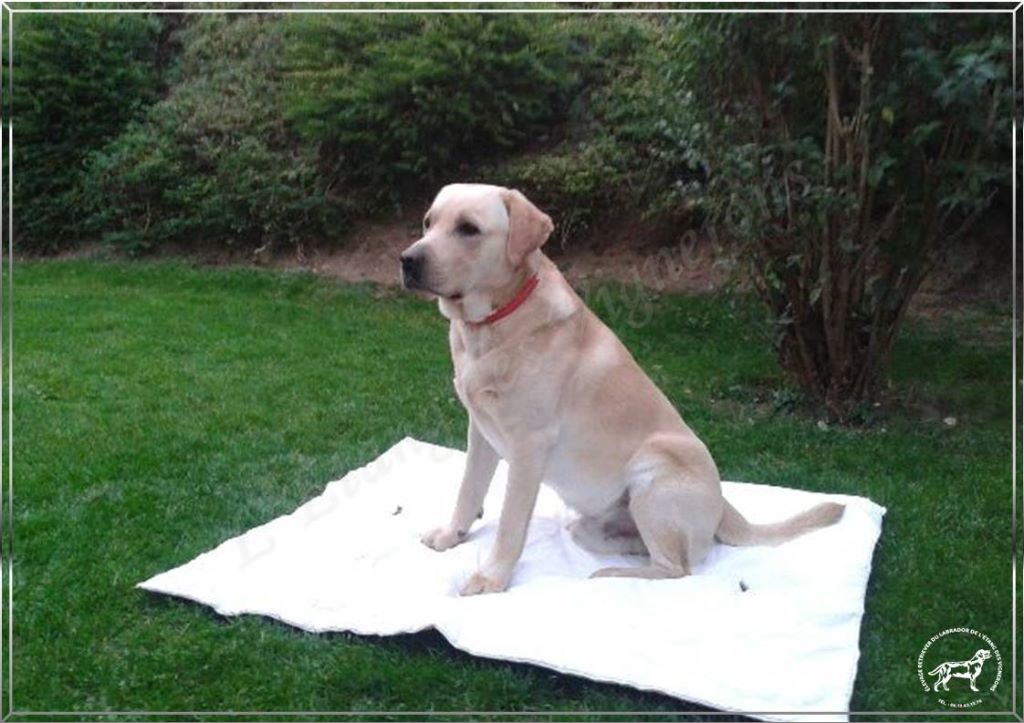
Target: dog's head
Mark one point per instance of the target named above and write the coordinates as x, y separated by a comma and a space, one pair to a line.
475, 238
983, 654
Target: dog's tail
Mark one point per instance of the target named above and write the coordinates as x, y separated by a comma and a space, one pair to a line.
734, 529
938, 671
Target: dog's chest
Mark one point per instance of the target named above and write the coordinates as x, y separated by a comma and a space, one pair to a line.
498, 390
483, 384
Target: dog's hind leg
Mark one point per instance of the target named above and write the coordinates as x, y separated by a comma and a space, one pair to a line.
669, 546
675, 512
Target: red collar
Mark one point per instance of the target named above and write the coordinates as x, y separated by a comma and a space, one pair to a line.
515, 303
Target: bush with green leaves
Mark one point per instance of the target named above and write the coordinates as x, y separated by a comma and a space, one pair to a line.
78, 80
215, 161
844, 151
574, 183
623, 155
398, 104
638, 114
275, 129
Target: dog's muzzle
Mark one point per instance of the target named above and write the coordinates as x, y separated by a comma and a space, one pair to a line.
412, 270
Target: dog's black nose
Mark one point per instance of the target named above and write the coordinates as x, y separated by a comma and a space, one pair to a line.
412, 269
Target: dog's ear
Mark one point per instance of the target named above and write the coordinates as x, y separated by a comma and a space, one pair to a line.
528, 226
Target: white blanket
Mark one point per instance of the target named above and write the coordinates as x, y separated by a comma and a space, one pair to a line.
765, 631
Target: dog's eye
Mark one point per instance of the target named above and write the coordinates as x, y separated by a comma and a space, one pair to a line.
426, 222
467, 229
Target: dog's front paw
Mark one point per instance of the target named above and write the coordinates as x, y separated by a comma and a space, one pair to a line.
442, 538
481, 583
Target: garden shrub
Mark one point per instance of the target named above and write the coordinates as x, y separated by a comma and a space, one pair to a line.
844, 151
274, 129
638, 112
78, 80
215, 160
625, 156
575, 183
401, 103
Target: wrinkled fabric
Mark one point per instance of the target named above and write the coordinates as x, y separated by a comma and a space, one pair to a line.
766, 631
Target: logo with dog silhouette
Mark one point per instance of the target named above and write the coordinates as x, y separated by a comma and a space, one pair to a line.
962, 664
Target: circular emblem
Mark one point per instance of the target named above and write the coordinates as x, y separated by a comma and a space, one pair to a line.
959, 667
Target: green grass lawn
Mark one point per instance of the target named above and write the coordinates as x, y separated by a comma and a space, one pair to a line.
160, 409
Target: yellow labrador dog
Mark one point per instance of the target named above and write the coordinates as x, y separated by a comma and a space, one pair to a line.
550, 389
